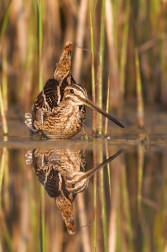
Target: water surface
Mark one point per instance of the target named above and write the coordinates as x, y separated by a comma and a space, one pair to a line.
122, 207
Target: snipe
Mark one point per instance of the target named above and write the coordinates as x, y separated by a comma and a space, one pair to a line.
53, 167
59, 110
62, 173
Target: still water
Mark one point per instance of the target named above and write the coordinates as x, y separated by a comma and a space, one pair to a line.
101, 195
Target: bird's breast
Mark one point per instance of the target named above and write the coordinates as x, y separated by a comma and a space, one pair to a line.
63, 122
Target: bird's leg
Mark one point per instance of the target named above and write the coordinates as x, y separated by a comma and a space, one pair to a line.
85, 134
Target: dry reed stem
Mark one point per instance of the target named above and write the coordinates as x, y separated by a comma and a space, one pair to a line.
21, 28
3, 116
83, 221
27, 78
2, 168
52, 43
123, 56
112, 237
108, 167
4, 81
91, 18
19, 14
24, 221
6, 179
82, 14
100, 68
95, 201
163, 69
39, 17
140, 106
165, 248
104, 210
126, 209
140, 176
42, 222
107, 106
4, 94
6, 234
113, 64
103, 201
112, 230
57, 227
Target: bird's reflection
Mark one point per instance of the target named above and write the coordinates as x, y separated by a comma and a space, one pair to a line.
62, 173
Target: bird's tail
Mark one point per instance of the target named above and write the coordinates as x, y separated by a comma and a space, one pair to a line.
28, 121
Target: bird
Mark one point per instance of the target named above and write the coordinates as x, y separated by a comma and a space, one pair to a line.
65, 119
52, 168
59, 109
62, 173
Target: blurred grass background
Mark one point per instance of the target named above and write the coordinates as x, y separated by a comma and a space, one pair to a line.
126, 60
33, 33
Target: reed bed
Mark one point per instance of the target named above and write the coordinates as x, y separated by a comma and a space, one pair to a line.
123, 64
111, 31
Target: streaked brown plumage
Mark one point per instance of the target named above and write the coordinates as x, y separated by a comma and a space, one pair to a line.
63, 120
64, 65
62, 173
53, 167
59, 110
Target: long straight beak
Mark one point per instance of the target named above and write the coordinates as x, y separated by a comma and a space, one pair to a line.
79, 179
93, 106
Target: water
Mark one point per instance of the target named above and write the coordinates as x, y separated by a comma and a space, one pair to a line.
120, 208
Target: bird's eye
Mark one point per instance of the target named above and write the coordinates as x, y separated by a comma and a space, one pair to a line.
71, 91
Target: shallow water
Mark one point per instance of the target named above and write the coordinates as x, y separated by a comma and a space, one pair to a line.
122, 207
